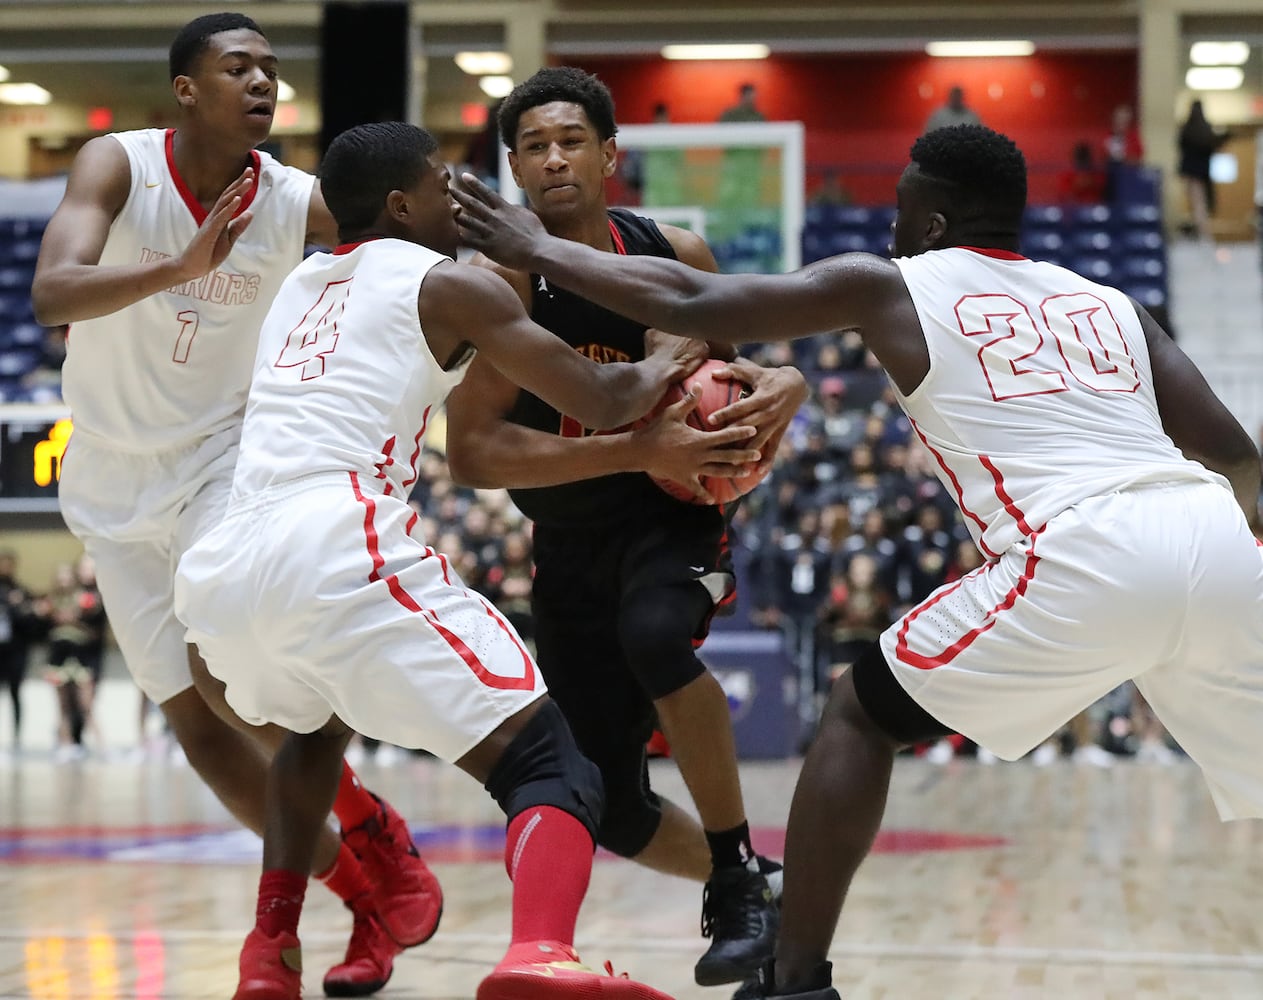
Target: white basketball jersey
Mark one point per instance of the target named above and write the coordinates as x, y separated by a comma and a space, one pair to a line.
344, 380
174, 368
1039, 394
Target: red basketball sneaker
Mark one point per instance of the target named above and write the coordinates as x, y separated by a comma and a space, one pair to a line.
370, 957
406, 895
271, 968
549, 970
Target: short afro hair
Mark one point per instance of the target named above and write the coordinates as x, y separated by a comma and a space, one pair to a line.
983, 171
558, 83
365, 163
194, 37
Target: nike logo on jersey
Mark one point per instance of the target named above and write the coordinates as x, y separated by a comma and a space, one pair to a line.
543, 286
154, 184
698, 569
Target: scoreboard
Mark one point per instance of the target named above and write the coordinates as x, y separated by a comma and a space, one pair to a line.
32, 442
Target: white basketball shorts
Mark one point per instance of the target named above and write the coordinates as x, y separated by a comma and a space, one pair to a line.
1161, 584
315, 599
136, 514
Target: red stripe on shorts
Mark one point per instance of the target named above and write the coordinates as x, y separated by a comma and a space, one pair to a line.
524, 683
922, 662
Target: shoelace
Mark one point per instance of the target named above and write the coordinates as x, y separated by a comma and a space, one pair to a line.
609, 971
738, 916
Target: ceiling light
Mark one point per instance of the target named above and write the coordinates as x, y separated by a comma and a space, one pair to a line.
752, 51
496, 87
24, 93
1214, 78
980, 48
4, 74
485, 63
284, 92
1219, 53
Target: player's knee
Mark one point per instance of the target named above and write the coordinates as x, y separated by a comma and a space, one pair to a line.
870, 698
632, 817
543, 766
655, 632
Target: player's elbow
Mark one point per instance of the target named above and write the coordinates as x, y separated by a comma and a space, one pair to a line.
465, 468
46, 305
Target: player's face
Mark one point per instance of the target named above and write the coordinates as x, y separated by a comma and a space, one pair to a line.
918, 226
233, 85
432, 219
560, 161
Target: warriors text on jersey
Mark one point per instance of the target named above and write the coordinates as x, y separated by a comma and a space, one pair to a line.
174, 367
351, 385
1039, 393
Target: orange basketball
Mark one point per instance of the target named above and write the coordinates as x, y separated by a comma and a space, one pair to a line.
716, 394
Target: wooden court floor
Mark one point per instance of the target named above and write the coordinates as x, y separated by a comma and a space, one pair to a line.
127, 880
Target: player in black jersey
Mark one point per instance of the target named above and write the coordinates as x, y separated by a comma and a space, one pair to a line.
627, 578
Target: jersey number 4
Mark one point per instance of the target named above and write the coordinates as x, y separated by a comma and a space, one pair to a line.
316, 333
1089, 342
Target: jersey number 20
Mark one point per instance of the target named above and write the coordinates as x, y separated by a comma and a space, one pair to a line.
1090, 345
316, 333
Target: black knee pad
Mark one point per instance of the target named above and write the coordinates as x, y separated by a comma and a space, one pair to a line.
542, 766
888, 704
632, 817
656, 626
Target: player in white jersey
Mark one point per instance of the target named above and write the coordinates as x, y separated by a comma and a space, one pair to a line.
1111, 491
164, 255
319, 568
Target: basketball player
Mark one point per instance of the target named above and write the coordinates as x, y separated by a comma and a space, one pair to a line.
319, 565
627, 578
1098, 473
150, 257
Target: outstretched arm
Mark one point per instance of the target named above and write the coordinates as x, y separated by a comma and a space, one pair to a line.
463, 304
830, 295
70, 284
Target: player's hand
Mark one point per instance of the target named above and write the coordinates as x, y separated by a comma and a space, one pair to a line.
671, 449
505, 233
679, 356
220, 231
777, 394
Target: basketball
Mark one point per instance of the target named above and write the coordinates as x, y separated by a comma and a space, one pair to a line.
716, 394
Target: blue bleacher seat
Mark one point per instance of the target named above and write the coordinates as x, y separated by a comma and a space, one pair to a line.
16, 362
1143, 267
1141, 240
1096, 268
24, 251
1091, 241
1139, 214
20, 229
1094, 216
847, 242
815, 245
15, 305
1040, 242
883, 217
17, 277
853, 216
820, 216
1148, 295
1048, 216
25, 334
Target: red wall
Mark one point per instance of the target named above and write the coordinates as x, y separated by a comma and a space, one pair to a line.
862, 112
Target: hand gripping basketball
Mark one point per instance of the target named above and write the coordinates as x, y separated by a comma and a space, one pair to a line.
715, 394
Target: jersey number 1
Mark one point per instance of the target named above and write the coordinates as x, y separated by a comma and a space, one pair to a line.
316, 333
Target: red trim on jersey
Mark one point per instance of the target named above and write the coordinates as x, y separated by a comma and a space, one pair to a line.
389, 460
186, 193
960, 493
342, 248
416, 452
442, 563
922, 662
412, 523
1012, 508
617, 237
524, 683
993, 252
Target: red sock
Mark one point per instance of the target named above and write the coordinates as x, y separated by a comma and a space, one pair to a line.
548, 856
280, 901
354, 804
345, 878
